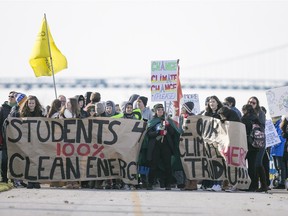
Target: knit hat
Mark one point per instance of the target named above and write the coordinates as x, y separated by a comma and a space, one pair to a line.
99, 108
143, 99
189, 106
20, 98
157, 106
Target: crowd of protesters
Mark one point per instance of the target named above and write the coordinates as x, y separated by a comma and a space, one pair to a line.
159, 145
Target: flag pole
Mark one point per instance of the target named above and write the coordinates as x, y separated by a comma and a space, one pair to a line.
50, 55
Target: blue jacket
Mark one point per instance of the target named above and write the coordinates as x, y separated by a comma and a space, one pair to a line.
278, 149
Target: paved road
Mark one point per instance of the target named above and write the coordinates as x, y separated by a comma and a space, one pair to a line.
84, 202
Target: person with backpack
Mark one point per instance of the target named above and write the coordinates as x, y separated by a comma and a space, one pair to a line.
249, 117
260, 170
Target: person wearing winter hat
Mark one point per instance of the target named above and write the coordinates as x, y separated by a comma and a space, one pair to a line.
133, 98
141, 103
100, 109
162, 141
110, 109
128, 112
188, 106
182, 182
20, 98
122, 106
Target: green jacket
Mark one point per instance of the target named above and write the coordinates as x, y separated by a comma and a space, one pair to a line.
148, 144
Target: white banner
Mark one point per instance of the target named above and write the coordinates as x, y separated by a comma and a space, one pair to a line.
277, 99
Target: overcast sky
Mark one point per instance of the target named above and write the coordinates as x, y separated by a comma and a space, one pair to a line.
121, 38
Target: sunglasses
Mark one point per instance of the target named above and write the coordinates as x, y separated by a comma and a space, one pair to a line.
11, 96
252, 102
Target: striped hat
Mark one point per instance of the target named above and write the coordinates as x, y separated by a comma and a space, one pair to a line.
189, 106
20, 98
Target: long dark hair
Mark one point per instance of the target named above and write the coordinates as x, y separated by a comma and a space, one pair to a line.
208, 108
55, 107
25, 111
257, 108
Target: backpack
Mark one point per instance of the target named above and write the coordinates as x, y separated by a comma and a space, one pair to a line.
258, 136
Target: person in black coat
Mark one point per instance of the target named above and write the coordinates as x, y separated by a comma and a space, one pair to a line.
161, 146
249, 118
5, 110
227, 114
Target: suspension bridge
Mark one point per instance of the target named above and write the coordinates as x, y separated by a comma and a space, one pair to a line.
140, 83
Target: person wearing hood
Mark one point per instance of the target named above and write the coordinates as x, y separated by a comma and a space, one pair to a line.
158, 147
128, 111
133, 99
81, 103
110, 109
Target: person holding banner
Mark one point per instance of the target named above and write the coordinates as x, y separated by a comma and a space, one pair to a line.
213, 105
110, 109
32, 108
4, 112
186, 111
70, 110
161, 136
55, 109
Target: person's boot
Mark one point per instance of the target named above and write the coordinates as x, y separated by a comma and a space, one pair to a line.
191, 185
30, 185
36, 185
149, 186
263, 182
92, 184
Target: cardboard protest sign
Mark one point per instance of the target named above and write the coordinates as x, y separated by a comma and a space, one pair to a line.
277, 99
272, 137
43, 149
193, 98
164, 80
213, 150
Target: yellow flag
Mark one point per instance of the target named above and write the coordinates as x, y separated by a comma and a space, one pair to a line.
40, 58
